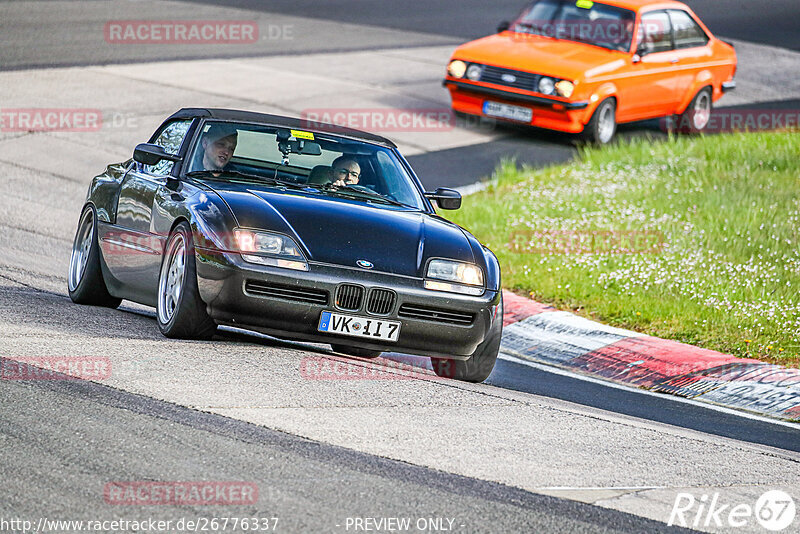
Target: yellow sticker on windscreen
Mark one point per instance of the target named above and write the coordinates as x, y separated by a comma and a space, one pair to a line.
585, 4
300, 134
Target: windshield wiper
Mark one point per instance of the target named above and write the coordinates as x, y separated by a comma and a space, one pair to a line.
265, 179
362, 194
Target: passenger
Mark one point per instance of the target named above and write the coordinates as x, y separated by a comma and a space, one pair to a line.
346, 171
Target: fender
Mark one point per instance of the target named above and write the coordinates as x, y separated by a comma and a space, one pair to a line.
704, 78
104, 191
604, 91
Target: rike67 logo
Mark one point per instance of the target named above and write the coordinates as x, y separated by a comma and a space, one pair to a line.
774, 510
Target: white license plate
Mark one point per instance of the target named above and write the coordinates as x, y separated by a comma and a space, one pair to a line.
507, 111
349, 325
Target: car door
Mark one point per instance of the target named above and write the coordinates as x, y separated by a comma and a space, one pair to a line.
691, 50
650, 91
132, 250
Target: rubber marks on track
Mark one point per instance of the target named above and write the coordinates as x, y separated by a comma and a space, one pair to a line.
537, 333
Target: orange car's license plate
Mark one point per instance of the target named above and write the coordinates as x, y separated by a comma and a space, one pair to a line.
507, 111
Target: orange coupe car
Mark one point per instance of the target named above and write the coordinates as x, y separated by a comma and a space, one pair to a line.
580, 66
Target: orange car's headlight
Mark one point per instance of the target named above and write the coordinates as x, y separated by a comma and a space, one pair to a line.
457, 68
565, 88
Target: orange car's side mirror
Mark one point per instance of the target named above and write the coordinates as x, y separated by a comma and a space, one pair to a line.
641, 51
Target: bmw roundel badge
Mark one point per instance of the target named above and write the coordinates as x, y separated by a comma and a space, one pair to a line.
364, 264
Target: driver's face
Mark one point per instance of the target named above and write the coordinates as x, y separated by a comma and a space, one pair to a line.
218, 153
348, 172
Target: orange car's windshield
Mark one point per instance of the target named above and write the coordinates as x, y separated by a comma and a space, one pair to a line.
578, 20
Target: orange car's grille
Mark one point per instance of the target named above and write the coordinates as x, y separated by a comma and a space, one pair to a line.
510, 78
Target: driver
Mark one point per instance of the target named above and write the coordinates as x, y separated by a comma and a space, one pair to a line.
346, 171
218, 144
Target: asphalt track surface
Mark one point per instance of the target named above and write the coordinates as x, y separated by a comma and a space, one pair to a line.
61, 441
309, 486
773, 22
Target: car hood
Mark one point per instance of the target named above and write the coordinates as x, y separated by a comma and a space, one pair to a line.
560, 58
341, 232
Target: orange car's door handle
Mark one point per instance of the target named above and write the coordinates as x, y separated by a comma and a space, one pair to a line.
673, 60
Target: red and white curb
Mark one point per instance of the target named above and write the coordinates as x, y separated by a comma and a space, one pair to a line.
537, 333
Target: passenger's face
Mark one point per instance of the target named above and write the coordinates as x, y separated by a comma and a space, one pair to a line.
349, 172
218, 153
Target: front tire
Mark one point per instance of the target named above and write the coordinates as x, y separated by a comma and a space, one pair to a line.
481, 362
602, 127
180, 312
85, 278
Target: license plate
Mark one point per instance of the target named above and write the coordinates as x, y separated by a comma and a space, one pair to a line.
349, 325
507, 111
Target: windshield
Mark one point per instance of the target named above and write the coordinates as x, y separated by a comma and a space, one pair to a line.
318, 163
578, 20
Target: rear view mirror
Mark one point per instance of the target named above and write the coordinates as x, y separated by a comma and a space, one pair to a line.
503, 26
447, 199
307, 148
301, 146
150, 154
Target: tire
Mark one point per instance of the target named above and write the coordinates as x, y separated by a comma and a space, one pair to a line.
602, 127
180, 312
85, 278
355, 351
480, 363
697, 115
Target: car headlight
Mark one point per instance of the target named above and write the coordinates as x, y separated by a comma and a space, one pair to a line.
457, 68
546, 85
454, 276
266, 248
565, 88
474, 72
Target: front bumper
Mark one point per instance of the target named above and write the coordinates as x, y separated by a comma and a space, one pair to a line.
548, 113
728, 86
222, 278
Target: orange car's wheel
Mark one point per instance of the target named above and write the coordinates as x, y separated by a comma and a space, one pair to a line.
602, 126
697, 115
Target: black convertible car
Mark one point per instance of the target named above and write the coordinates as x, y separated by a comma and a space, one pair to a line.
320, 233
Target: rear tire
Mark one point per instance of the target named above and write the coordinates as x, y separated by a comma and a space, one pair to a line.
697, 115
85, 278
355, 351
602, 127
480, 363
180, 312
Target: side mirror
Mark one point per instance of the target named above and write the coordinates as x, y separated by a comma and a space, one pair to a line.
641, 51
150, 154
447, 199
503, 26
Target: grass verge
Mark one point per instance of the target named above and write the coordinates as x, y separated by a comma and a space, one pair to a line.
694, 239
